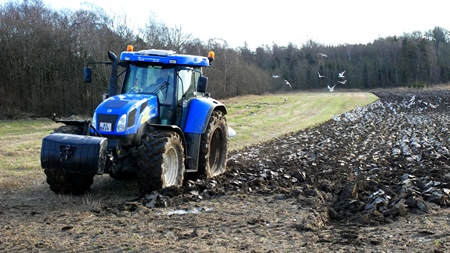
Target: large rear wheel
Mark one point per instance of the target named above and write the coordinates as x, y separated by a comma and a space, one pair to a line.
214, 146
161, 161
63, 182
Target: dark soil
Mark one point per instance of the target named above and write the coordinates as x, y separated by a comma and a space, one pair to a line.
375, 179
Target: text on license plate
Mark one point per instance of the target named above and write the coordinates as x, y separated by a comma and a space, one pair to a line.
105, 126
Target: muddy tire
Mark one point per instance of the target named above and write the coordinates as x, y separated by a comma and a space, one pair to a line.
214, 146
63, 182
161, 161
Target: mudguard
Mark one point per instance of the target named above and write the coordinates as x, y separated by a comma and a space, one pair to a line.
200, 111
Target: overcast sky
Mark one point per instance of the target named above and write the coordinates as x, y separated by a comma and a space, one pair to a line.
328, 22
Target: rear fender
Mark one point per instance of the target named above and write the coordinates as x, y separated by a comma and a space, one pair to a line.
200, 111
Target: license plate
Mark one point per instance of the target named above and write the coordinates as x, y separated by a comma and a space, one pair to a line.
105, 127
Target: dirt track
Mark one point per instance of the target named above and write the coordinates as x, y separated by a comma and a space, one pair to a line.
375, 179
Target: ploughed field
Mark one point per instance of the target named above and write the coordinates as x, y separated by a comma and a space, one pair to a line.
374, 179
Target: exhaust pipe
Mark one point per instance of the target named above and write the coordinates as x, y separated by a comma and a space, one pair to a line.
112, 88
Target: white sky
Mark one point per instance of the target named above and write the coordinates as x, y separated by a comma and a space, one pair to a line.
329, 22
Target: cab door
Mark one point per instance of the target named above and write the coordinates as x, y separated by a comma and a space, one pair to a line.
187, 79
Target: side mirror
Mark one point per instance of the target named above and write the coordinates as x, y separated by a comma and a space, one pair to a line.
87, 75
202, 84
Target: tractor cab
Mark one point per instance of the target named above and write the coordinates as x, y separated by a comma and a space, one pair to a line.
171, 78
174, 87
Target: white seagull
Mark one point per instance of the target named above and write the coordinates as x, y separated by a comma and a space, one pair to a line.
331, 88
342, 82
288, 83
231, 132
275, 76
341, 75
320, 76
323, 55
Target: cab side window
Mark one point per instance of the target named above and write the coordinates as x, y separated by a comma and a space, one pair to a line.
187, 83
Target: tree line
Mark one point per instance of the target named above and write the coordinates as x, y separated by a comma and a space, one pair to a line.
43, 52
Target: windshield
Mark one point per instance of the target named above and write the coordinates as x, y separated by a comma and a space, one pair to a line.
144, 78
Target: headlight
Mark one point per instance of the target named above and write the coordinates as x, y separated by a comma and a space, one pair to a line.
122, 124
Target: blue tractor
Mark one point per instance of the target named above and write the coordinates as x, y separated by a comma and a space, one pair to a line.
162, 125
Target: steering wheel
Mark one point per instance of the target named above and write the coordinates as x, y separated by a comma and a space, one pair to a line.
136, 89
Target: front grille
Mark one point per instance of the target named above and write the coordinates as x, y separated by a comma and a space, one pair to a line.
109, 118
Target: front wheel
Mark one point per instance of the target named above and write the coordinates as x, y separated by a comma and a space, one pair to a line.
161, 161
63, 182
214, 146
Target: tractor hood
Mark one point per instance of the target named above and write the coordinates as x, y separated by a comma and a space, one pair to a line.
125, 101
124, 114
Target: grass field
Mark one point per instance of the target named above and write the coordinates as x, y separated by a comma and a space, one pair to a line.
259, 118
20, 148
255, 119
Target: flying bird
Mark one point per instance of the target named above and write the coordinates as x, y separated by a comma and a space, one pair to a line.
331, 88
341, 75
275, 76
323, 55
320, 76
288, 83
342, 82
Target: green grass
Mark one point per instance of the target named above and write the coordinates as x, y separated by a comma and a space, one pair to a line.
20, 147
257, 119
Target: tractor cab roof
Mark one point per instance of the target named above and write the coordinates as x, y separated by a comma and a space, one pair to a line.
164, 57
